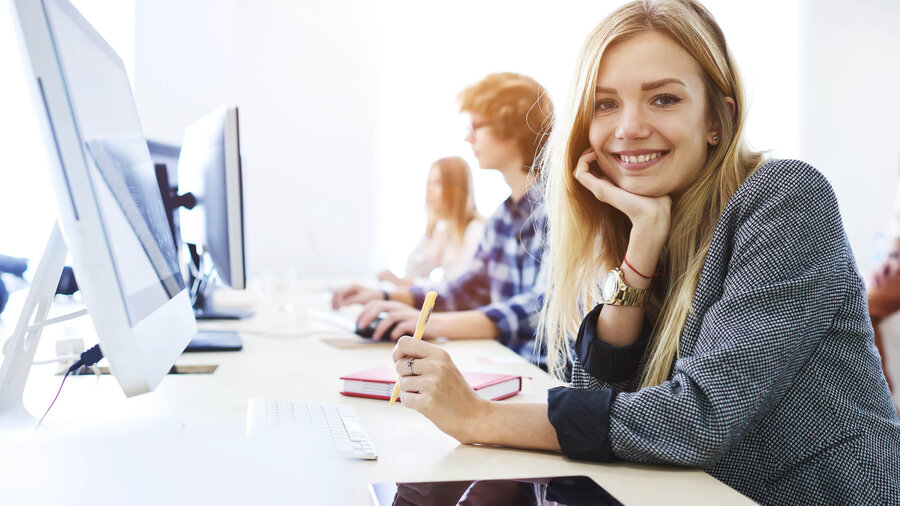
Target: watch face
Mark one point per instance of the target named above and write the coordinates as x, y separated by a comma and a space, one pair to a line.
610, 286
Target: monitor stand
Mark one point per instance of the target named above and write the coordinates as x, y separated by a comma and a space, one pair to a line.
19, 349
201, 286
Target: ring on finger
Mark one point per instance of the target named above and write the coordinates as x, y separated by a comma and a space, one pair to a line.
409, 364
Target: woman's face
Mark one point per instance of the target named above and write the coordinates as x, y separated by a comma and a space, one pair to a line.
434, 190
650, 127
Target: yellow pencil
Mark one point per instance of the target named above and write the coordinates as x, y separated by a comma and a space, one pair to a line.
420, 331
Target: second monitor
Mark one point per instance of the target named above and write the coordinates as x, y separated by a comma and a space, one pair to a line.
212, 222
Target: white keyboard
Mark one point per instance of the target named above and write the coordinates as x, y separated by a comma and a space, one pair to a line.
337, 421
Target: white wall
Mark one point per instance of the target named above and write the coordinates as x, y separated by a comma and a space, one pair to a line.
27, 204
428, 52
344, 105
302, 75
367, 93
850, 111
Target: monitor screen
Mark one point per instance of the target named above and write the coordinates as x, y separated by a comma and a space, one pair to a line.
121, 170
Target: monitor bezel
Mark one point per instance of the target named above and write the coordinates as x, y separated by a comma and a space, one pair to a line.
139, 355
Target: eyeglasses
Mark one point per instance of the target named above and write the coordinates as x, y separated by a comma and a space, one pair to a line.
475, 125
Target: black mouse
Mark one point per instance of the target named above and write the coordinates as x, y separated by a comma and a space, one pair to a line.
369, 329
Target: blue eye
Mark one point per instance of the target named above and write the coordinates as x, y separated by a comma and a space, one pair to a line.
665, 100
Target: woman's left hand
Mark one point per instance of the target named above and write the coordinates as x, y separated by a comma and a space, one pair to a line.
436, 388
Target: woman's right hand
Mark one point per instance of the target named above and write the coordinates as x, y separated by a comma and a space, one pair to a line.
649, 214
354, 294
433, 386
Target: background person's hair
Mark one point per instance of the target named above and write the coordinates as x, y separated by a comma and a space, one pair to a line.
516, 106
457, 197
588, 237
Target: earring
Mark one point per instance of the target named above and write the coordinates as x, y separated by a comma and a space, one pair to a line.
715, 138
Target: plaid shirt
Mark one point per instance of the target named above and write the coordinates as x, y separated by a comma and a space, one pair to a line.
502, 279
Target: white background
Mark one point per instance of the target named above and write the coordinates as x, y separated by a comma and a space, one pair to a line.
344, 104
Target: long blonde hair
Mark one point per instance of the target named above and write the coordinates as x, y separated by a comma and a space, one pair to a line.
457, 198
588, 237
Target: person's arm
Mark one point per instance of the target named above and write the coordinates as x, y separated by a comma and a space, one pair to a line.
783, 286
402, 306
469, 290
650, 219
358, 294
403, 319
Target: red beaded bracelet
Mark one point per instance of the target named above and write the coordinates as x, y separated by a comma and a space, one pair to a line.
655, 274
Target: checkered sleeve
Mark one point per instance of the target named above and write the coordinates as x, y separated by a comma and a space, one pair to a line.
784, 284
516, 317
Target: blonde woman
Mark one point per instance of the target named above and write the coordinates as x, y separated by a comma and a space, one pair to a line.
453, 230
726, 321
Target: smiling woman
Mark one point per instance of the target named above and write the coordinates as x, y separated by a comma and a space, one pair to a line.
727, 337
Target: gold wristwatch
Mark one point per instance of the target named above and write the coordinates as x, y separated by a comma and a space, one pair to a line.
616, 293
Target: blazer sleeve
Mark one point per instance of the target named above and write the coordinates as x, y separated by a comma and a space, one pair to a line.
788, 273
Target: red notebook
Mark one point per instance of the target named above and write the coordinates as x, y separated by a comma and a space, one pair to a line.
378, 383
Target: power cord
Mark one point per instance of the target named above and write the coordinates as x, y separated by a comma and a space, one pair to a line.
88, 358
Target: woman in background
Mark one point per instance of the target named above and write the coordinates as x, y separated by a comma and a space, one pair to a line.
454, 227
723, 321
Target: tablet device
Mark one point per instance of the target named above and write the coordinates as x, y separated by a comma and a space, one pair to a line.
215, 340
561, 490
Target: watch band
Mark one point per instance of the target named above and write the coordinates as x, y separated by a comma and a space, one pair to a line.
629, 296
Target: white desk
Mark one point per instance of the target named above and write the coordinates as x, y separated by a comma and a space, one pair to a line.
212, 460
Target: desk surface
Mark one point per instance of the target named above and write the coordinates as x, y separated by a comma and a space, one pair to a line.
299, 365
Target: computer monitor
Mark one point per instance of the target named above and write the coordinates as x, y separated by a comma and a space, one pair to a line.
212, 209
110, 211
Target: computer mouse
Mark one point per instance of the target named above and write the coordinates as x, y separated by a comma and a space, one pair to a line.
369, 329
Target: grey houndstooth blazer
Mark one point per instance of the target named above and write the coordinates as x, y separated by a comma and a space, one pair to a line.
778, 389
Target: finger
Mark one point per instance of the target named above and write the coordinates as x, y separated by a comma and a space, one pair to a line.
335, 300
413, 384
346, 294
337, 297
412, 400
369, 312
421, 349
587, 156
390, 319
408, 347
404, 328
420, 366
598, 186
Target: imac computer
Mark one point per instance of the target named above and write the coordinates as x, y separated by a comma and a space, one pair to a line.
111, 217
212, 210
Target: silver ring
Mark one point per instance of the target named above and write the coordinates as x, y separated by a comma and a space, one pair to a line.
409, 364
